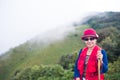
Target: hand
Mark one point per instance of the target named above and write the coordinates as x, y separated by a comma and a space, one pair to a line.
77, 79
99, 55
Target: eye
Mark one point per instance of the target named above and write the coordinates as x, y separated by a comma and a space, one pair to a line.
92, 38
86, 39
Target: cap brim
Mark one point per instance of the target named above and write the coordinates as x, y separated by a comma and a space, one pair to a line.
85, 36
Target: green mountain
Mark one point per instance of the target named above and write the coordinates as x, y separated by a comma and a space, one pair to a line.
43, 49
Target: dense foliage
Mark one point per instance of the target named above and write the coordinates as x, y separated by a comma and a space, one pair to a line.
114, 70
106, 19
67, 61
42, 72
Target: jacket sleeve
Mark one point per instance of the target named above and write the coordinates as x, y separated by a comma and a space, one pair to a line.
76, 71
105, 62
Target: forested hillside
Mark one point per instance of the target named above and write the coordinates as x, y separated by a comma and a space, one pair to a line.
55, 61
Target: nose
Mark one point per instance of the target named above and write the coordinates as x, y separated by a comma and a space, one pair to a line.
89, 40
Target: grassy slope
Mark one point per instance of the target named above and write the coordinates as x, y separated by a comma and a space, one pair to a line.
22, 57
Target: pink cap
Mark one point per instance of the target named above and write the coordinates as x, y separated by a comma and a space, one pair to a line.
90, 32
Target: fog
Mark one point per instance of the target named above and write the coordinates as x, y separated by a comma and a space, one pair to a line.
22, 20
56, 34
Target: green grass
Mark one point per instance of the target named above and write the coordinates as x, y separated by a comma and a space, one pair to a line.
22, 57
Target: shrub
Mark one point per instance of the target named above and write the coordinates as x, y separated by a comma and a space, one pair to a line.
44, 72
114, 71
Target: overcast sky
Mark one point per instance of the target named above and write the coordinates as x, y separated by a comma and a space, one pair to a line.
21, 20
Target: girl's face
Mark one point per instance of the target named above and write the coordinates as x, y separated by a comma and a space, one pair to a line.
90, 42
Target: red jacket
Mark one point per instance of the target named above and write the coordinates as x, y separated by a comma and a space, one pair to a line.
91, 70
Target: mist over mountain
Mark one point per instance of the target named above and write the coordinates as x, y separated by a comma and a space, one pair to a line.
53, 35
